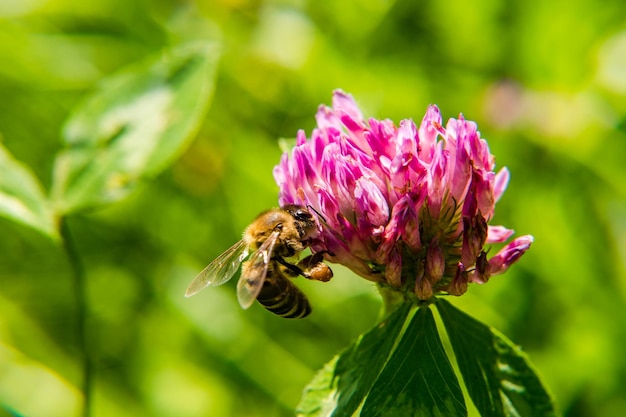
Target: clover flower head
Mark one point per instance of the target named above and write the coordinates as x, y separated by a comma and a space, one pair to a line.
406, 206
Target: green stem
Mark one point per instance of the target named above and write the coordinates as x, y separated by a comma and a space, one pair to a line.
80, 299
392, 299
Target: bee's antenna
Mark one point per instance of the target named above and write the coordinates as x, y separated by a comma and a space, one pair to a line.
318, 213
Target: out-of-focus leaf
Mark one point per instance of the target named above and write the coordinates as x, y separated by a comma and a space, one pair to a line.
23, 379
341, 385
134, 125
33, 366
21, 196
498, 376
418, 380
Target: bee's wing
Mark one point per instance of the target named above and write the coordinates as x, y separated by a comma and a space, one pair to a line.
254, 272
220, 270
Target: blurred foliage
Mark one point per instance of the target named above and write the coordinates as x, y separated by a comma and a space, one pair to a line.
545, 81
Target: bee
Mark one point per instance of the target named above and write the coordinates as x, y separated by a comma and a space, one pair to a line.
274, 235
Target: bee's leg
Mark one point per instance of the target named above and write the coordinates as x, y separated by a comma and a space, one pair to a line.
312, 260
310, 267
314, 268
290, 270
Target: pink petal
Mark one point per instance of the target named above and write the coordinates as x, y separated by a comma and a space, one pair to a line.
498, 234
509, 255
380, 138
349, 114
435, 262
326, 118
393, 270
423, 287
371, 204
458, 286
500, 183
428, 132
482, 182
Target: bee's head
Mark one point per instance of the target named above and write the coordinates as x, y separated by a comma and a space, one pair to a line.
303, 220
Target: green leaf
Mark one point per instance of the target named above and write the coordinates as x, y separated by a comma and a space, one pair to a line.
418, 380
319, 396
344, 383
358, 368
134, 125
498, 376
21, 197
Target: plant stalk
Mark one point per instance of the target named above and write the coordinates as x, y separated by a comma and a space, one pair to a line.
392, 299
80, 299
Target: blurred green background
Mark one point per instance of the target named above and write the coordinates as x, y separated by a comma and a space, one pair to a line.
545, 81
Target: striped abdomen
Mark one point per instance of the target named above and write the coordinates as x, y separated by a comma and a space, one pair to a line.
281, 297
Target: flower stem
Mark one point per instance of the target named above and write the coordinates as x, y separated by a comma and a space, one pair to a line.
392, 299
80, 299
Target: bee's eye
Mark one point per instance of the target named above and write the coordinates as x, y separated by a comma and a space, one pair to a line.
278, 227
302, 215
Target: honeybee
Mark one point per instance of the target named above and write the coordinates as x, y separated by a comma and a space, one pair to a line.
274, 235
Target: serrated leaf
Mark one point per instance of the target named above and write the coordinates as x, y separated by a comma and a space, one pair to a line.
498, 375
21, 197
137, 122
418, 380
342, 385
